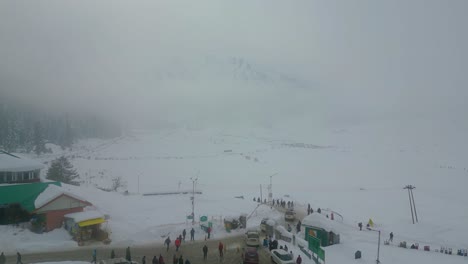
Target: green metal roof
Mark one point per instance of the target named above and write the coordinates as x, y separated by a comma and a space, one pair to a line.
23, 194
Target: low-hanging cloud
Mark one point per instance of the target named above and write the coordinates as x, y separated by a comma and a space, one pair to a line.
180, 60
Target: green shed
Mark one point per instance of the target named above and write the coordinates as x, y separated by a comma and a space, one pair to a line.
17, 201
318, 226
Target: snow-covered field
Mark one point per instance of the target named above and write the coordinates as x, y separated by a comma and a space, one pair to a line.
358, 171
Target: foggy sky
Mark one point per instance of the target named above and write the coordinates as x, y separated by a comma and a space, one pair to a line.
361, 59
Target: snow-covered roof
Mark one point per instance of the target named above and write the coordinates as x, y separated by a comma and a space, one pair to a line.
320, 221
86, 215
12, 163
52, 192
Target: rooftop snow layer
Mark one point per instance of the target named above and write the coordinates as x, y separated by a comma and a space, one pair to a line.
320, 221
83, 216
52, 192
12, 163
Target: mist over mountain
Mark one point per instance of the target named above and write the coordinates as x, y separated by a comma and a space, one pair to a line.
148, 64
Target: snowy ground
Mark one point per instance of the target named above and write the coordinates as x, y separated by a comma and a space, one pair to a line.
358, 171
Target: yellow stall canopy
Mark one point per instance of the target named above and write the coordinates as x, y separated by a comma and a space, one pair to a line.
91, 222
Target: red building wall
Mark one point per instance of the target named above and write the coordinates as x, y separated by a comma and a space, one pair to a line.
54, 219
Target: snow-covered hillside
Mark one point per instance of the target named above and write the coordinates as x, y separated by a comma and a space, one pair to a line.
358, 171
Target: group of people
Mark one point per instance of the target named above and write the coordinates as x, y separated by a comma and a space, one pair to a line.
277, 202
180, 238
156, 260
3, 258
273, 244
310, 210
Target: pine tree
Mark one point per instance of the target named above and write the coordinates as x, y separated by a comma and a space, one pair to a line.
62, 170
39, 144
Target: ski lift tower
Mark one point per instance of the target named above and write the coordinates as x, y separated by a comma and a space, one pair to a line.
270, 190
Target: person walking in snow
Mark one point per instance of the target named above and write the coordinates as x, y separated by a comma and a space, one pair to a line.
187, 261
128, 255
220, 248
360, 226
184, 233
155, 260
167, 242
177, 244
205, 252
174, 259
391, 236
2, 258
299, 260
18, 258
181, 260
143, 260
208, 230
192, 234
94, 256
161, 259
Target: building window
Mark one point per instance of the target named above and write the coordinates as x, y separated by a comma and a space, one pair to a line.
9, 176
36, 174
31, 175
2, 177
14, 177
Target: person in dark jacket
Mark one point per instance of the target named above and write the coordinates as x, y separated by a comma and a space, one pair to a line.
18, 258
184, 233
2, 258
205, 252
143, 260
128, 255
192, 234
155, 260
174, 259
161, 259
208, 230
187, 261
112, 254
220, 248
391, 236
167, 242
299, 260
181, 260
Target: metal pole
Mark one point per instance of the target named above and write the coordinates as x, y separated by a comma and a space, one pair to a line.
261, 198
414, 205
411, 205
270, 194
193, 199
378, 250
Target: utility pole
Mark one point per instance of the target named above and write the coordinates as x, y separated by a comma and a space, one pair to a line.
411, 201
378, 250
194, 180
270, 190
414, 205
261, 193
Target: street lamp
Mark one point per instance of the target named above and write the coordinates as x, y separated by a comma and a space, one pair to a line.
270, 193
194, 180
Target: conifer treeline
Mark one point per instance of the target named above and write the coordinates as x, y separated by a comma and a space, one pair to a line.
27, 130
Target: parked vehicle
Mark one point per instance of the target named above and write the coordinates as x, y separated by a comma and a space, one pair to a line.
117, 261
280, 256
250, 255
252, 239
290, 215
